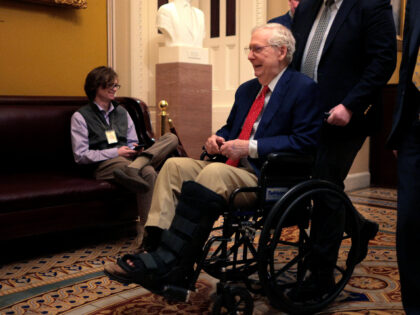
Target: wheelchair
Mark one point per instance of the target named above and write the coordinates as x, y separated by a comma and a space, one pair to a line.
266, 248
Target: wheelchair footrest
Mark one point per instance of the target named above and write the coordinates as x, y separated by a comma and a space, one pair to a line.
172, 292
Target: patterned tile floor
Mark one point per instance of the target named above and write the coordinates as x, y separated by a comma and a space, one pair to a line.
72, 282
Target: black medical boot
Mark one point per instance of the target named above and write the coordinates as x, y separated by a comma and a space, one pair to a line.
181, 245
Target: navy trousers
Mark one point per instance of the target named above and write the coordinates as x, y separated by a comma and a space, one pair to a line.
408, 218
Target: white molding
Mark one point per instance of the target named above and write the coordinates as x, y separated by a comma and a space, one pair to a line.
261, 12
136, 51
252, 13
357, 181
110, 7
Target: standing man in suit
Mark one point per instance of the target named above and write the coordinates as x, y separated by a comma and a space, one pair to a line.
276, 112
405, 139
287, 18
349, 48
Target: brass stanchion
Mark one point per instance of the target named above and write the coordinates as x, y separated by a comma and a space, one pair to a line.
163, 105
164, 117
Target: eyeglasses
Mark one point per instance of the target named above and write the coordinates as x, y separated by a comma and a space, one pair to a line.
113, 86
256, 49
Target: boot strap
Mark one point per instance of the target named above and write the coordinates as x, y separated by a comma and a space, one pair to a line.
149, 261
165, 256
184, 226
173, 242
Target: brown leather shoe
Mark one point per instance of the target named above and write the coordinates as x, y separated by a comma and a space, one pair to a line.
129, 178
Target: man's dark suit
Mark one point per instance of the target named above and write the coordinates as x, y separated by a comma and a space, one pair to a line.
290, 122
285, 19
405, 137
357, 60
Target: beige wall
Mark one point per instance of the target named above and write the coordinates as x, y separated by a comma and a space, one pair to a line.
276, 8
49, 50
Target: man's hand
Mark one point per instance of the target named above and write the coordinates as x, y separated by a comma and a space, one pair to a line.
126, 152
235, 149
213, 144
340, 115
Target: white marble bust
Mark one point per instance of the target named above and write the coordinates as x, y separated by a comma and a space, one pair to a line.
181, 24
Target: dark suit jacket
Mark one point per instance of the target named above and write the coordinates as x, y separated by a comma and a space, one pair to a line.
358, 58
408, 100
291, 119
285, 20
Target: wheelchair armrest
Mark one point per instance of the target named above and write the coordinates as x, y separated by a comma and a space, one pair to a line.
289, 157
285, 169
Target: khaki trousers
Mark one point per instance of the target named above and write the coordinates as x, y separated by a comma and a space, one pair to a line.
219, 177
146, 163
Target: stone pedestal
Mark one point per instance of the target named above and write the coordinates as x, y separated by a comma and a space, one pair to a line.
184, 54
187, 87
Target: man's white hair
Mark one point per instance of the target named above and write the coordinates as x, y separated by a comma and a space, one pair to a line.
281, 36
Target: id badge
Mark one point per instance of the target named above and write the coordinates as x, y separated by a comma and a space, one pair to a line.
111, 136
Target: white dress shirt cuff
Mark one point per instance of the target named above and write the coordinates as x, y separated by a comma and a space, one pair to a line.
253, 149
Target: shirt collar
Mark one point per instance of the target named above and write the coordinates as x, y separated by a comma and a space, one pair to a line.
276, 79
111, 108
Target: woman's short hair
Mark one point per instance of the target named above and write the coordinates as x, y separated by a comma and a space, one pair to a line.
281, 36
99, 77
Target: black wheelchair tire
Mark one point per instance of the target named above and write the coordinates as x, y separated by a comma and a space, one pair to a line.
280, 213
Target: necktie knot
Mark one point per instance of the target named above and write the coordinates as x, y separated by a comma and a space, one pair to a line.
328, 3
264, 90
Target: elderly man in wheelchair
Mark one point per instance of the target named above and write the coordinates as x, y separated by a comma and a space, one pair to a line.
258, 179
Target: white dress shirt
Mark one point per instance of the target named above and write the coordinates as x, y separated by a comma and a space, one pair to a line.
253, 144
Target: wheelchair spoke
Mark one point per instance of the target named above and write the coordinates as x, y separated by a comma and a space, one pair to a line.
340, 269
287, 266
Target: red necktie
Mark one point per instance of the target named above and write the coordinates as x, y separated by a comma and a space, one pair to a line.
252, 116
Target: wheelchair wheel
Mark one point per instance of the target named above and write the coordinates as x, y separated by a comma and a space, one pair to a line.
290, 259
235, 300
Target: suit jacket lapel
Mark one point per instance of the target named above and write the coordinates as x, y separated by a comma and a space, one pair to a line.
244, 107
341, 16
276, 100
414, 25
